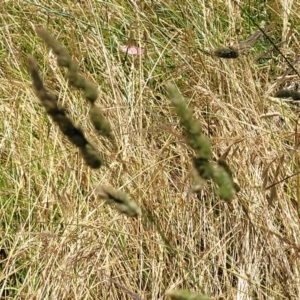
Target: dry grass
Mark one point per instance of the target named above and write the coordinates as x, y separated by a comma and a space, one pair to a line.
58, 241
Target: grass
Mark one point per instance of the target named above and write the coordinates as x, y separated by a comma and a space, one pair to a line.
58, 240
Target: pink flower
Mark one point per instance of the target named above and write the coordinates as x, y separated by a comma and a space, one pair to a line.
132, 50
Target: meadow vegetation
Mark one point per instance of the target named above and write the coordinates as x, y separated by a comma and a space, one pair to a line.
193, 141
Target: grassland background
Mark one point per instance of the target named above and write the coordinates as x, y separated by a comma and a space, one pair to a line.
58, 241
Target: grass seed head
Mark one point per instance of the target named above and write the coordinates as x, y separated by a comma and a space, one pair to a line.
288, 94
91, 156
203, 167
185, 295
120, 200
201, 145
223, 163
194, 137
57, 48
64, 60
100, 122
226, 189
74, 134
77, 80
226, 52
90, 92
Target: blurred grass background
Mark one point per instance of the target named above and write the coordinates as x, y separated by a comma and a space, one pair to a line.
58, 241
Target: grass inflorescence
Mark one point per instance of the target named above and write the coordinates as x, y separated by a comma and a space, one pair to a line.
295, 95
75, 79
119, 199
185, 295
202, 147
89, 153
226, 52
58, 115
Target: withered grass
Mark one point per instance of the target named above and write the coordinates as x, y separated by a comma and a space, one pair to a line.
60, 241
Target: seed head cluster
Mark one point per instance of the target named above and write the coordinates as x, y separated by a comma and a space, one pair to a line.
58, 115
93, 159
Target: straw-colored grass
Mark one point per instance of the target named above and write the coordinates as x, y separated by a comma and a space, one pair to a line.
59, 241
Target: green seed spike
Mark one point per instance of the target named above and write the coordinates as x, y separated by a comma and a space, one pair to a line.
100, 122
288, 94
64, 58
226, 52
201, 145
119, 199
58, 115
91, 156
90, 92
223, 163
74, 134
203, 167
194, 137
34, 72
174, 95
77, 81
185, 295
226, 189
226, 167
